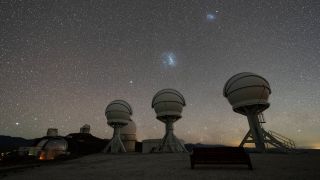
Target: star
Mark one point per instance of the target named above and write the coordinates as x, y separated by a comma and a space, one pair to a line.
74, 63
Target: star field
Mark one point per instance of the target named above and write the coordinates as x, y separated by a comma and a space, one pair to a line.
62, 62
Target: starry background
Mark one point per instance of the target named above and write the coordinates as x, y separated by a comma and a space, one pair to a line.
62, 62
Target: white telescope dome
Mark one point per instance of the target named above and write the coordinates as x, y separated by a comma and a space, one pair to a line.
118, 112
246, 89
168, 105
168, 102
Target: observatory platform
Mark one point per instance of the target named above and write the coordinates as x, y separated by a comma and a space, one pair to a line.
118, 114
170, 166
168, 105
248, 93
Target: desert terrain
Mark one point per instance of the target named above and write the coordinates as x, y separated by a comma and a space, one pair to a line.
171, 166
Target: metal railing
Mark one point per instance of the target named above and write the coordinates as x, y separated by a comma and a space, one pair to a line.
288, 143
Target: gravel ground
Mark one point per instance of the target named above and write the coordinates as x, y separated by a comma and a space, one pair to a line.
173, 166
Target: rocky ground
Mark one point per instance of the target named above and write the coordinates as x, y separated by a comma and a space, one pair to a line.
171, 166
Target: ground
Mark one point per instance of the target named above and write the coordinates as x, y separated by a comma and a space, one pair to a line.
172, 166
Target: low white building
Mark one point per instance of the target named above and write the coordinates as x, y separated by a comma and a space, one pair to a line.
148, 145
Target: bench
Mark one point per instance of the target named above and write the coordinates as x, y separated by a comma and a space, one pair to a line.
219, 155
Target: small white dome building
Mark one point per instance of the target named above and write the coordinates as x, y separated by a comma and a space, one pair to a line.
248, 94
118, 114
168, 105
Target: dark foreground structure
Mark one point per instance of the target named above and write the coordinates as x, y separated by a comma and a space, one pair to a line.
53, 148
220, 155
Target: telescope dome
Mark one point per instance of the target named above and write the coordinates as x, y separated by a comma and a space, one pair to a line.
118, 112
246, 89
168, 102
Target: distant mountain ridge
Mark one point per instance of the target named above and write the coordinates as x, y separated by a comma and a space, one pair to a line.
8, 143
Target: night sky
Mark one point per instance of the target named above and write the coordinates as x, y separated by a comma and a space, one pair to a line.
62, 62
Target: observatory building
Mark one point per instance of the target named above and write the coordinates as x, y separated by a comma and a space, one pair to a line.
128, 136
168, 105
118, 114
52, 132
85, 129
248, 94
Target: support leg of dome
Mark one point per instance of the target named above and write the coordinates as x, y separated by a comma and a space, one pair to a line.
115, 145
255, 132
170, 143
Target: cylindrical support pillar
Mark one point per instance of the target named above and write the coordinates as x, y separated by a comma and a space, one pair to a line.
169, 127
170, 143
256, 131
115, 144
116, 131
